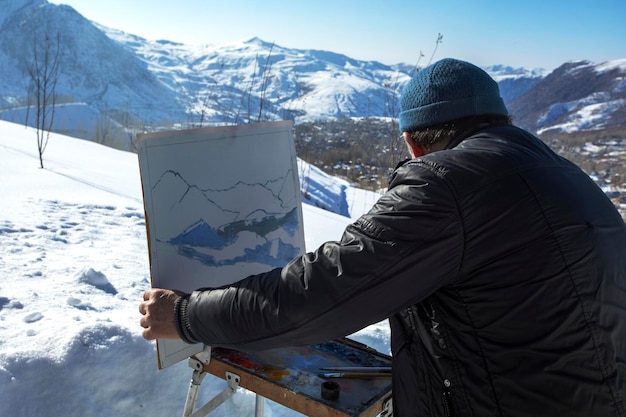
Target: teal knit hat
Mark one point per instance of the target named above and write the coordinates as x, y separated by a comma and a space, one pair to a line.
447, 90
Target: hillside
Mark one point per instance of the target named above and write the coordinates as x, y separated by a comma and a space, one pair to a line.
76, 268
113, 85
94, 69
144, 84
577, 96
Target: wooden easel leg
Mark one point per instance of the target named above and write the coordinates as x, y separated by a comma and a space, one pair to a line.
387, 408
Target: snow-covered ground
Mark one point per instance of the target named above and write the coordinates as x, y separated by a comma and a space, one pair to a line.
73, 268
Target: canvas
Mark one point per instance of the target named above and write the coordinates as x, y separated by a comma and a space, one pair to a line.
221, 203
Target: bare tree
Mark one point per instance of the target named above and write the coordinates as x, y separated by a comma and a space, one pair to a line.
264, 85
417, 64
104, 127
264, 82
391, 113
439, 40
44, 75
392, 109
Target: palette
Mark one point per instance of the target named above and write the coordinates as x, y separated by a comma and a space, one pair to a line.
291, 376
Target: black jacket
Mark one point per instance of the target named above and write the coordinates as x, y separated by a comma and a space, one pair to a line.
501, 266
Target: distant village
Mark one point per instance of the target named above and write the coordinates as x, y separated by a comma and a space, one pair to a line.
602, 155
365, 152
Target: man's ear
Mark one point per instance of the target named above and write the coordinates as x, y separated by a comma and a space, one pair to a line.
415, 149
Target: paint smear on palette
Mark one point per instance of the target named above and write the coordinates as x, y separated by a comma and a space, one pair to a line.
249, 362
298, 369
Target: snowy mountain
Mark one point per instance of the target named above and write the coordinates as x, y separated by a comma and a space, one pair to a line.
513, 82
574, 97
253, 79
124, 83
94, 69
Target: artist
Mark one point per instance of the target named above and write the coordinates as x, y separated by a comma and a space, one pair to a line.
500, 265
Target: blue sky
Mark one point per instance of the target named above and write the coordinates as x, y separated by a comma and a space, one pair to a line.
530, 33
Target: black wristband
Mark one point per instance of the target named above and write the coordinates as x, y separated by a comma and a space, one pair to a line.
181, 320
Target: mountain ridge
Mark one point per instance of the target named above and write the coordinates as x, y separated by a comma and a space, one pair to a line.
141, 84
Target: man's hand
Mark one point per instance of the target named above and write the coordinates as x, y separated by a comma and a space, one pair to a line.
158, 319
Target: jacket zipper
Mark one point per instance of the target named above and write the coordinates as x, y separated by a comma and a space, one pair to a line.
412, 319
447, 399
417, 326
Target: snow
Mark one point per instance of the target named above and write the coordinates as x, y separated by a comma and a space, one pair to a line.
73, 268
504, 72
313, 84
78, 120
619, 64
586, 113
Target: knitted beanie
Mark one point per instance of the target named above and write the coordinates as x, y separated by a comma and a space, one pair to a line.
447, 90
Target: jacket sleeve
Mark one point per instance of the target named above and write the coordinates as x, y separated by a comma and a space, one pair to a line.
406, 247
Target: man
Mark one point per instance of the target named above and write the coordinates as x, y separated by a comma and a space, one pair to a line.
501, 266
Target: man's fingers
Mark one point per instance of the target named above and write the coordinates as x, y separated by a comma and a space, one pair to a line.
157, 310
148, 334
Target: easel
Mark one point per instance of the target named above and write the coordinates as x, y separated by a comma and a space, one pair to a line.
297, 389
197, 363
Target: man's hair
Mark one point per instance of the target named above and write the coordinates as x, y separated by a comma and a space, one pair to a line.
429, 136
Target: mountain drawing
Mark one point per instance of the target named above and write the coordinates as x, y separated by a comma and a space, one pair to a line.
193, 242
245, 222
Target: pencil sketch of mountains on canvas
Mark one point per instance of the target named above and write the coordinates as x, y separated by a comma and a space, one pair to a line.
221, 203
225, 232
